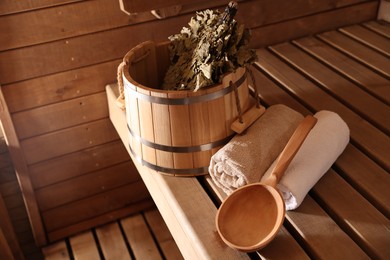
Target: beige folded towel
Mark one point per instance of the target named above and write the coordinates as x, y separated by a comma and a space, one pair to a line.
247, 157
324, 144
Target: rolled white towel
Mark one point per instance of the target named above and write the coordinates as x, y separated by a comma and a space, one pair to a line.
324, 144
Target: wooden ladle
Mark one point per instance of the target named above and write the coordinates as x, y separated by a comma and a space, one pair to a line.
252, 215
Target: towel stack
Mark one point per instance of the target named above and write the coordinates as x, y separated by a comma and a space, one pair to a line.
250, 157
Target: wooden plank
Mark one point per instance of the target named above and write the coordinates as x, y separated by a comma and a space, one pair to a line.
112, 242
368, 37
367, 177
381, 27
361, 131
9, 244
7, 174
136, 6
54, 144
84, 246
100, 219
21, 169
197, 241
85, 186
316, 235
370, 81
61, 115
78, 163
5, 160
368, 107
5, 250
59, 87
56, 251
10, 6
311, 24
199, 130
140, 238
102, 203
353, 212
358, 51
162, 234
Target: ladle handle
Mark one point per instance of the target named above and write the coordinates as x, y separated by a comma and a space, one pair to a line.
291, 148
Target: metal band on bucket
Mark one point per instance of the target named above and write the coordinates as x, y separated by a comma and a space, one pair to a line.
188, 171
180, 149
187, 100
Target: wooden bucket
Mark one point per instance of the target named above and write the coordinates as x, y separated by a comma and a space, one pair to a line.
177, 132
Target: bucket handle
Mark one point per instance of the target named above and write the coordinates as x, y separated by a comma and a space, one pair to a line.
120, 101
251, 115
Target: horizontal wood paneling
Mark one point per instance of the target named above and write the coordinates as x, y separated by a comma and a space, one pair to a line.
58, 116
57, 143
104, 202
101, 219
311, 24
71, 165
86, 185
60, 87
11, 6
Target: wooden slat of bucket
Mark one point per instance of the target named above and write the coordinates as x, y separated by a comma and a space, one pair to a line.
133, 120
162, 130
200, 129
180, 131
217, 117
146, 126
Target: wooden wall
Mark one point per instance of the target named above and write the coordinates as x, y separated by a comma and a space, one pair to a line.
56, 58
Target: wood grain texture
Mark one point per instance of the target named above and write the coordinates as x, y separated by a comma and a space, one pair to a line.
10, 7
311, 24
139, 237
368, 37
20, 164
112, 243
54, 144
381, 27
84, 246
85, 186
78, 163
56, 251
97, 205
59, 116
368, 107
59, 87
370, 81
362, 53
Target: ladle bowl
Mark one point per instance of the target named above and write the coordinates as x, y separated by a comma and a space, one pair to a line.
252, 215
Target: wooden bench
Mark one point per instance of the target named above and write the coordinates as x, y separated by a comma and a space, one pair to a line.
346, 214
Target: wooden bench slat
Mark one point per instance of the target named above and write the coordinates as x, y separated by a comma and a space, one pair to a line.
112, 243
370, 139
358, 51
56, 251
318, 232
84, 246
370, 38
367, 226
381, 27
140, 238
353, 70
366, 105
367, 177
